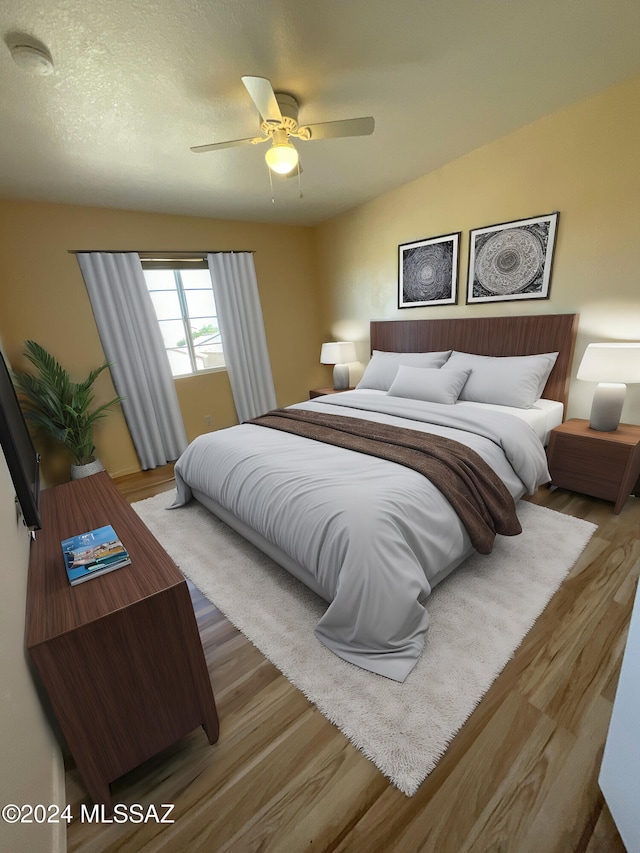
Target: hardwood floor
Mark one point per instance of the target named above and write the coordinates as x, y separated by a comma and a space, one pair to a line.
520, 777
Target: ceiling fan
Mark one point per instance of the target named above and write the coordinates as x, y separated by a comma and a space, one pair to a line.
279, 114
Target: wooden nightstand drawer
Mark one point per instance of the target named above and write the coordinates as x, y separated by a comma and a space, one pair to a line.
602, 464
588, 466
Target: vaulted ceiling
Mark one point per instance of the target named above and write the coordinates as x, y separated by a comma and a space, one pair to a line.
137, 83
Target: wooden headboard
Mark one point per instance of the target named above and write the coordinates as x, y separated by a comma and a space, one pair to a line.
526, 335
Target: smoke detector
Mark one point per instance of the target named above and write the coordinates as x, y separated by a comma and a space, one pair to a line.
30, 55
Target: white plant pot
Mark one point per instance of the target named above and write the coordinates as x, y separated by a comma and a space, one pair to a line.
79, 471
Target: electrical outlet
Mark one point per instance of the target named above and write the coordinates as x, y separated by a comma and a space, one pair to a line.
207, 420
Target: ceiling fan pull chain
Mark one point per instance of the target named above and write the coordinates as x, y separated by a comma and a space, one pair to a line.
273, 201
299, 182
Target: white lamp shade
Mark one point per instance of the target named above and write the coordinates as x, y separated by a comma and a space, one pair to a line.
338, 352
611, 362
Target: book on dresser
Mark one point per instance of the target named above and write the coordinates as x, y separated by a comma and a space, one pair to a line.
94, 553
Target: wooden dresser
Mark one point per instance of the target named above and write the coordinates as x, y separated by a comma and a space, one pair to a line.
119, 655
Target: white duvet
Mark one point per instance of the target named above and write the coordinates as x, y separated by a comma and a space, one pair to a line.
375, 536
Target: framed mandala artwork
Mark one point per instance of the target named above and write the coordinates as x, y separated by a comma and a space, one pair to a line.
512, 261
428, 272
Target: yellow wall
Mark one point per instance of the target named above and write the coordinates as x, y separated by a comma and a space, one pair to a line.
43, 297
332, 280
581, 161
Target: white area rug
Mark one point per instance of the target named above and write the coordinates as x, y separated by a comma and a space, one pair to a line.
479, 616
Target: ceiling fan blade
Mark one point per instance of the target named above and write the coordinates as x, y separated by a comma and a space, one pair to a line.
263, 96
347, 127
251, 140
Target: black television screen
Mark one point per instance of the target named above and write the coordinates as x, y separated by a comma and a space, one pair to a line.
22, 460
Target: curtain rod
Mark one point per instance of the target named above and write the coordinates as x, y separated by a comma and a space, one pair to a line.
148, 256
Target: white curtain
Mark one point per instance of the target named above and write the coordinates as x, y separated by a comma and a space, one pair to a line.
235, 289
132, 341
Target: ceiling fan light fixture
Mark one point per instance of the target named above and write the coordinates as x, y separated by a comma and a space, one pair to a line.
282, 157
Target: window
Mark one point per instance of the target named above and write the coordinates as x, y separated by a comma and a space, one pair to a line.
183, 300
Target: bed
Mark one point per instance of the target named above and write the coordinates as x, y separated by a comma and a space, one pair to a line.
319, 487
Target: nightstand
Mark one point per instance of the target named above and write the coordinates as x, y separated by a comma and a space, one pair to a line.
601, 464
320, 392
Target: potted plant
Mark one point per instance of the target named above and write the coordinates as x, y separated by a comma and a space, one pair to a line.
61, 408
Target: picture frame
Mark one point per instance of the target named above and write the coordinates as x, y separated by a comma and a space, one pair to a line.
512, 261
428, 271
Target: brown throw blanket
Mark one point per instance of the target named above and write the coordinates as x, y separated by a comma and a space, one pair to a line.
479, 497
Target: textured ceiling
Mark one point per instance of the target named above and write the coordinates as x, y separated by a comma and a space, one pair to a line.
137, 83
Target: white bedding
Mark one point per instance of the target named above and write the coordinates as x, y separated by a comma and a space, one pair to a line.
374, 536
542, 417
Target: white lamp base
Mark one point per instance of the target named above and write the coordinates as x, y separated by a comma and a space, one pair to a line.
341, 377
606, 408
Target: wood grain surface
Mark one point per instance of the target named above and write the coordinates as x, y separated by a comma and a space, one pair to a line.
496, 336
119, 655
602, 464
520, 777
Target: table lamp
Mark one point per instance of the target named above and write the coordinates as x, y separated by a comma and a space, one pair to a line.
613, 366
339, 353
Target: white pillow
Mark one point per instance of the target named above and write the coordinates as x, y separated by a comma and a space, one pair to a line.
429, 384
382, 369
503, 380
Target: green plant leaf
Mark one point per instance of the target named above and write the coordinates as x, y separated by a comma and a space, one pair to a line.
59, 407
